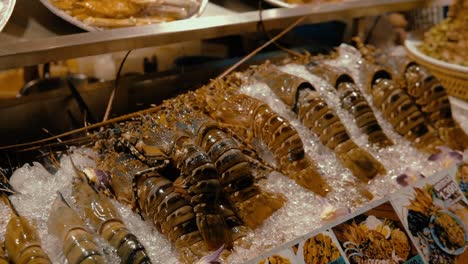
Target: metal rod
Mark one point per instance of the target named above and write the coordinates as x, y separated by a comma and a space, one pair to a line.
22, 52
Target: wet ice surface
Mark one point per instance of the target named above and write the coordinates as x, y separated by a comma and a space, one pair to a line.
302, 211
37, 191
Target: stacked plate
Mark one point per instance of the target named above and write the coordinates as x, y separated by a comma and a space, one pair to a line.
6, 9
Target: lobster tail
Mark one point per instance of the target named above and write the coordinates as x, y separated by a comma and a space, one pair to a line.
3, 258
213, 230
259, 207
454, 137
362, 164
128, 247
311, 179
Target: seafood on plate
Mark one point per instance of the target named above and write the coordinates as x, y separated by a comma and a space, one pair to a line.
78, 243
252, 119
431, 97
448, 40
365, 245
354, 102
106, 221
251, 203
126, 13
450, 233
320, 249
312, 110
278, 259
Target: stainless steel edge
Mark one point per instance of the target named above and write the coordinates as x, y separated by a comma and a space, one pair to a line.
36, 51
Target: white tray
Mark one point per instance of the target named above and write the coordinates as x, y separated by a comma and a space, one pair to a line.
65, 16
6, 9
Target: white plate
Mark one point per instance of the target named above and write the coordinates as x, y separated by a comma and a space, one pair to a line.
6, 9
412, 46
64, 15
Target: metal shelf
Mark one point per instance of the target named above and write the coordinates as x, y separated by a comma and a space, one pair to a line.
34, 37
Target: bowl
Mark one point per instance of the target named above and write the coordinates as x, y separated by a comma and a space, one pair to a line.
436, 238
453, 77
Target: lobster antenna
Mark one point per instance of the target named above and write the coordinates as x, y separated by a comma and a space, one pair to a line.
157, 108
9, 204
117, 78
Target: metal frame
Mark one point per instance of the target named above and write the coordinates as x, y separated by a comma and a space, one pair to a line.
35, 51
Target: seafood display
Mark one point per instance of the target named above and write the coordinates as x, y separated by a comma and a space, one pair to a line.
429, 94
22, 241
252, 119
222, 172
400, 110
156, 200
448, 40
316, 115
320, 249
199, 176
78, 243
353, 102
106, 221
252, 204
126, 13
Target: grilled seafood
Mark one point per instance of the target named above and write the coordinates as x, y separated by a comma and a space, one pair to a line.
399, 109
252, 204
400, 243
154, 196
3, 258
250, 118
320, 249
78, 242
22, 241
105, 219
352, 101
200, 177
315, 114
432, 99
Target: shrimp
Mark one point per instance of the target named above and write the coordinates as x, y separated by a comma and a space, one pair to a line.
105, 219
154, 197
21, 239
78, 243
